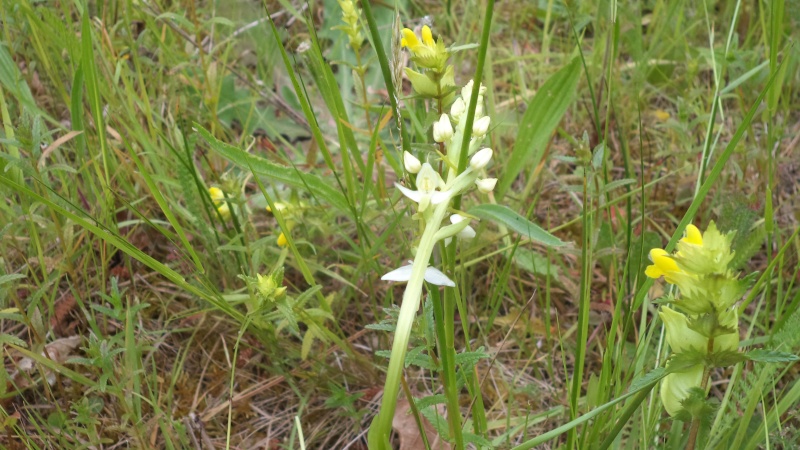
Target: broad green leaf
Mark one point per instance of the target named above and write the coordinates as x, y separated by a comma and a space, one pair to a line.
317, 186
505, 216
540, 121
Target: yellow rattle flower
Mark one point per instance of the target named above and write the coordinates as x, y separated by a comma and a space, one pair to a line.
218, 197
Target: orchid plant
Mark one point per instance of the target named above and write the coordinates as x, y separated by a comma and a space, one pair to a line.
432, 199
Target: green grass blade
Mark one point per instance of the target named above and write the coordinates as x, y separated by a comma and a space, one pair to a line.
315, 185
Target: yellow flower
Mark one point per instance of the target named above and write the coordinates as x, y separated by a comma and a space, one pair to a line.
426, 53
693, 235
218, 197
411, 41
663, 265
282, 242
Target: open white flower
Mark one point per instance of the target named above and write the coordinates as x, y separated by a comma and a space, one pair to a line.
428, 180
486, 185
432, 276
467, 232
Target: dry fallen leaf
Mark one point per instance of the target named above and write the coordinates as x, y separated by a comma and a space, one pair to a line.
59, 351
406, 428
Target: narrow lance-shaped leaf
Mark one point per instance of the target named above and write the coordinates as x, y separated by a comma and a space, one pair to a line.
504, 215
539, 121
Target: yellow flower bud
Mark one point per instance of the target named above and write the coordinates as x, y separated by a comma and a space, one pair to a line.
282, 242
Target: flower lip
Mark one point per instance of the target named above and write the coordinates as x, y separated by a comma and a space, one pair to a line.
432, 276
486, 185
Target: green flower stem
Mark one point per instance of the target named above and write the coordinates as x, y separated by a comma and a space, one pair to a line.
445, 330
381, 427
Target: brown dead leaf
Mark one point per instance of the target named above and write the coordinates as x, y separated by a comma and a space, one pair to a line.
406, 428
61, 311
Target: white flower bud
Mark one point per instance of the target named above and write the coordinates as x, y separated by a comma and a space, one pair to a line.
481, 126
411, 162
486, 185
442, 129
466, 91
458, 108
481, 159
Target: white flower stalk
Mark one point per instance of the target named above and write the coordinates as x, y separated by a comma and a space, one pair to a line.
428, 180
481, 159
486, 185
411, 163
442, 129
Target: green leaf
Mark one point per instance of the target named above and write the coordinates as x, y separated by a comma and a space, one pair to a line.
471, 357
681, 362
540, 121
532, 262
505, 216
430, 400
771, 356
726, 358
10, 277
316, 186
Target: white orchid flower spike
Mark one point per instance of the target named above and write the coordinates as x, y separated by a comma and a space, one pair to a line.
432, 276
428, 180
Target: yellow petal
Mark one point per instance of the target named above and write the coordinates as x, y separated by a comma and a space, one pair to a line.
693, 235
282, 242
409, 39
427, 36
216, 194
662, 264
224, 211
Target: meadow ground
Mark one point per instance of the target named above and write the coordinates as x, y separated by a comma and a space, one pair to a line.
199, 202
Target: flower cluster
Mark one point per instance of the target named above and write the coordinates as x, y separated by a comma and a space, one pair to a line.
436, 79
433, 193
702, 321
351, 27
